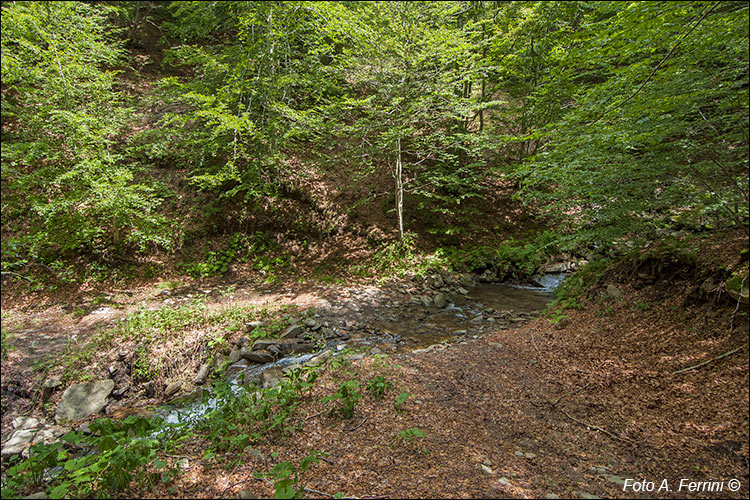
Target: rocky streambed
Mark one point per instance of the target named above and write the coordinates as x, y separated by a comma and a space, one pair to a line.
398, 318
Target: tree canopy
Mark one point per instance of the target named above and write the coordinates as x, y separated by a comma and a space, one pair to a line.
607, 117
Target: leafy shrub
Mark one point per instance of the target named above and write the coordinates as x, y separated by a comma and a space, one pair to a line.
348, 394
107, 460
378, 386
287, 477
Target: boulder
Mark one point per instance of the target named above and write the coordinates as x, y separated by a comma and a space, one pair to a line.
18, 442
234, 356
436, 281
172, 388
261, 356
22, 423
82, 400
295, 346
262, 344
202, 375
614, 292
235, 369
439, 300
271, 377
292, 332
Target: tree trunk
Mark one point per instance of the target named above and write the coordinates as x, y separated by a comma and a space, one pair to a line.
399, 193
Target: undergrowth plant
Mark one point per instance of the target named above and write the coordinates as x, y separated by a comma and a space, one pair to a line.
98, 464
287, 477
243, 416
348, 394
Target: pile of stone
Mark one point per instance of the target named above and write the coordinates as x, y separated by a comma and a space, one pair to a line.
440, 289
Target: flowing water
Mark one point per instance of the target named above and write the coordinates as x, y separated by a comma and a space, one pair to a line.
410, 327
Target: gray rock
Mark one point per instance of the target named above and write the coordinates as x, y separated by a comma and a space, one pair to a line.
247, 495
261, 356
50, 386
52, 383
518, 454
476, 319
219, 360
557, 267
459, 332
462, 291
615, 479
530, 456
614, 292
436, 281
295, 346
588, 496
18, 442
172, 388
202, 375
271, 377
551, 496
310, 323
149, 389
486, 470
252, 325
81, 400
22, 423
503, 481
439, 300
236, 368
234, 356
599, 470
426, 301
38, 495
262, 344
292, 332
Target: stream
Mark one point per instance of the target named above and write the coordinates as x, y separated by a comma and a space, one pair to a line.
409, 326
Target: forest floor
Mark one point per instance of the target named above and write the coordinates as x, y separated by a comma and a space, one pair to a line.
572, 408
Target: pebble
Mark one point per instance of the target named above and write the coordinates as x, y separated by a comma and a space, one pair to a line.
615, 479
486, 470
503, 481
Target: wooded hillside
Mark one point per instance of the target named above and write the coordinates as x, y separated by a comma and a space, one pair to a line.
449, 249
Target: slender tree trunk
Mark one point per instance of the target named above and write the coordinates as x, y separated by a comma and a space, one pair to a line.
399, 193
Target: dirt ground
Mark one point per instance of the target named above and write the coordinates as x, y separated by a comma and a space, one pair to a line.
549, 410
615, 393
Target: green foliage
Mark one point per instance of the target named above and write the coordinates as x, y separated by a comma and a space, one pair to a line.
348, 395
287, 477
259, 249
105, 462
653, 131
242, 417
378, 386
400, 400
68, 189
409, 435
